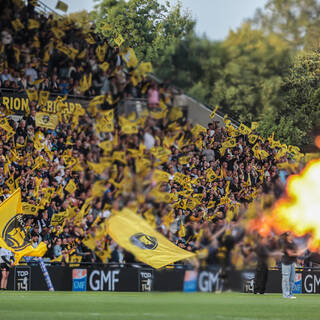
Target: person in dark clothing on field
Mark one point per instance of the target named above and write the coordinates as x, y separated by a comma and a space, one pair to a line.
261, 276
263, 252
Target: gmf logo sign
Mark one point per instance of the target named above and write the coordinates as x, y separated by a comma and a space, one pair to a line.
311, 283
99, 280
208, 281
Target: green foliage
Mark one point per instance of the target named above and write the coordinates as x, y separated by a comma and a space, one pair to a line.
193, 64
243, 74
145, 25
295, 21
250, 79
298, 115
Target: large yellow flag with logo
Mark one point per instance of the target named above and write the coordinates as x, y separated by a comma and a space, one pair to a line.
47, 120
137, 236
13, 235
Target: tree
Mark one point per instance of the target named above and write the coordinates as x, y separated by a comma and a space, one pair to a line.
251, 74
193, 64
295, 21
298, 115
145, 25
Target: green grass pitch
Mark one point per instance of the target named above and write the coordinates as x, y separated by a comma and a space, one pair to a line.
148, 306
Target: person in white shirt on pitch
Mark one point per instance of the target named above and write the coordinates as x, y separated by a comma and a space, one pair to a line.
6, 262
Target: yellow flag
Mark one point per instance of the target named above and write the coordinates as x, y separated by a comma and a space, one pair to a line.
13, 235
175, 114
119, 156
82, 54
252, 138
58, 218
98, 167
213, 113
254, 125
47, 120
97, 100
263, 154
32, 95
106, 145
46, 56
71, 186
90, 39
33, 24
10, 183
144, 67
69, 160
62, 6
293, 149
101, 52
98, 188
43, 98
161, 176
119, 40
85, 83
130, 128
4, 124
243, 129
184, 160
230, 143
109, 114
132, 60
104, 125
105, 26
38, 81
29, 208
58, 32
104, 66
138, 237
211, 175
158, 114
182, 230
197, 129
17, 24
211, 204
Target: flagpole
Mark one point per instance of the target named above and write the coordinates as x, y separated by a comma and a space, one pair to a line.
46, 274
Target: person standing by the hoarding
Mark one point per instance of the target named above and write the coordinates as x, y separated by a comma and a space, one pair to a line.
6, 261
288, 265
263, 251
261, 275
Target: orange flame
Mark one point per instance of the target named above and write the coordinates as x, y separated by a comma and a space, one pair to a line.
317, 141
299, 211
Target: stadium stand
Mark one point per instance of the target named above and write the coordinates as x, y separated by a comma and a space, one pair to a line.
75, 165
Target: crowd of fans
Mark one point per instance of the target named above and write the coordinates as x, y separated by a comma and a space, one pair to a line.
191, 183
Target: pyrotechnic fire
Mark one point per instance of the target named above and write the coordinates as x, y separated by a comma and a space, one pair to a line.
299, 211
317, 141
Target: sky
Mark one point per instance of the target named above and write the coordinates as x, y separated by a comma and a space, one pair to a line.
214, 18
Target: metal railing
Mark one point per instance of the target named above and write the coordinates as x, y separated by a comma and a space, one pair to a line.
44, 9
126, 106
52, 94
138, 265
133, 265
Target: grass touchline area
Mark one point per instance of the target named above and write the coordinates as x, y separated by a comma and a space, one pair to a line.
34, 305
